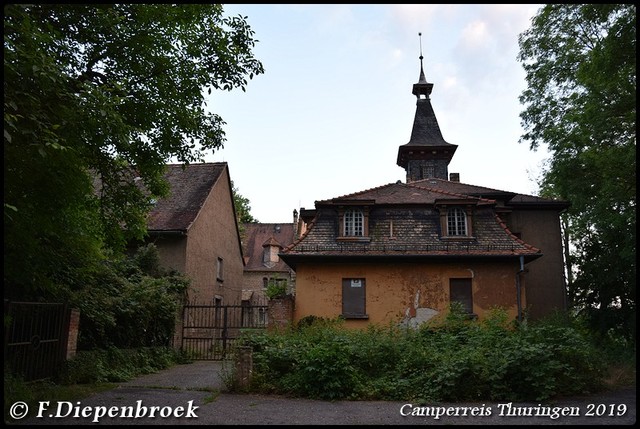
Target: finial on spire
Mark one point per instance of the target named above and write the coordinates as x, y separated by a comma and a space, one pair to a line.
421, 79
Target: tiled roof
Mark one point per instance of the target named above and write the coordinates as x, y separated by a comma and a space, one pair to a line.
188, 190
403, 193
481, 191
259, 235
404, 221
426, 131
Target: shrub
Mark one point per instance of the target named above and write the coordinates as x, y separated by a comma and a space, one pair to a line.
456, 360
130, 303
116, 365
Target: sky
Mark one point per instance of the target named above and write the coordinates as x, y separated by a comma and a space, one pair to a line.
335, 103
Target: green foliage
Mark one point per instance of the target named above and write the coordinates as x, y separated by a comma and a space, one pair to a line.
276, 288
580, 64
242, 207
97, 99
130, 302
455, 360
116, 365
87, 373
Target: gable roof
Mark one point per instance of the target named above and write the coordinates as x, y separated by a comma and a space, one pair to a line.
257, 236
189, 188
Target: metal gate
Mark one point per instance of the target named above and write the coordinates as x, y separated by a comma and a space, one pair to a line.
209, 332
35, 338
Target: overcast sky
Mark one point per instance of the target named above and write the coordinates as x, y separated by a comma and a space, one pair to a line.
335, 103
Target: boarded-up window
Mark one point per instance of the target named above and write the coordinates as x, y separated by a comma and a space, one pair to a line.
460, 291
353, 298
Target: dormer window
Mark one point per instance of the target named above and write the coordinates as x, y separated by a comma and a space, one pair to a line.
456, 222
456, 218
353, 223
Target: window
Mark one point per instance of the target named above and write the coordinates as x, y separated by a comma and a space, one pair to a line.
246, 313
219, 270
428, 171
262, 316
353, 223
217, 302
354, 299
460, 291
456, 222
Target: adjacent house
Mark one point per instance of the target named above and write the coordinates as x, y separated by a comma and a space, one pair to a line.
196, 233
262, 244
403, 252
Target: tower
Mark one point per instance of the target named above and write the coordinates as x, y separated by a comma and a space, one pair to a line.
427, 154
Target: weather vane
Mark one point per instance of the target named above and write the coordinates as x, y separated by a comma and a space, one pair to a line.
420, 36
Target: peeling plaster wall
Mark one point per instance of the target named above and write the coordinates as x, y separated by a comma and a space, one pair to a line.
404, 292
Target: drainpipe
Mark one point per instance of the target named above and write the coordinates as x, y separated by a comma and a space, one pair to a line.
518, 289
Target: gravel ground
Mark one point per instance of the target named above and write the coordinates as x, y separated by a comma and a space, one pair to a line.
184, 391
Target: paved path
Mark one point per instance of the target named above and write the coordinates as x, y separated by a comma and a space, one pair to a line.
192, 392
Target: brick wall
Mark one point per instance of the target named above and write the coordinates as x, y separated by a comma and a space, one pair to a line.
280, 312
72, 337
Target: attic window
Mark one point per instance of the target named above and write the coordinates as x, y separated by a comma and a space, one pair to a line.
456, 222
353, 223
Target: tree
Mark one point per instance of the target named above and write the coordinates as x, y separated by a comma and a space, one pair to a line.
104, 94
580, 64
242, 207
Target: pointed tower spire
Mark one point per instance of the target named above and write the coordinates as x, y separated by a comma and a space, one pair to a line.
427, 154
422, 87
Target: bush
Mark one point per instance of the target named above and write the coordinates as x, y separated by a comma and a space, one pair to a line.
116, 365
457, 360
130, 303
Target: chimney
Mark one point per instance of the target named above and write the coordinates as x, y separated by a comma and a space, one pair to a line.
295, 223
454, 177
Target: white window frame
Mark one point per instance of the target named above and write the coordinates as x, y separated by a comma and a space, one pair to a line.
353, 223
456, 222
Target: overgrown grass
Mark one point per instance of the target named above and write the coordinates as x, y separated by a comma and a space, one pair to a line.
456, 360
89, 372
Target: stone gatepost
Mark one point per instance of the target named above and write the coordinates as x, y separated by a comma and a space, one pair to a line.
244, 368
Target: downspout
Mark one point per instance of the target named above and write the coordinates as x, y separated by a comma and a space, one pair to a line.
518, 288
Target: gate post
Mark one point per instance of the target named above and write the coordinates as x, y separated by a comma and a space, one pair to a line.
72, 330
244, 367
280, 312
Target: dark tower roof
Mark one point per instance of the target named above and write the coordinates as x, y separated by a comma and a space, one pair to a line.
426, 133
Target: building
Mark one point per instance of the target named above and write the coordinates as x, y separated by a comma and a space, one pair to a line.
262, 244
196, 233
403, 252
